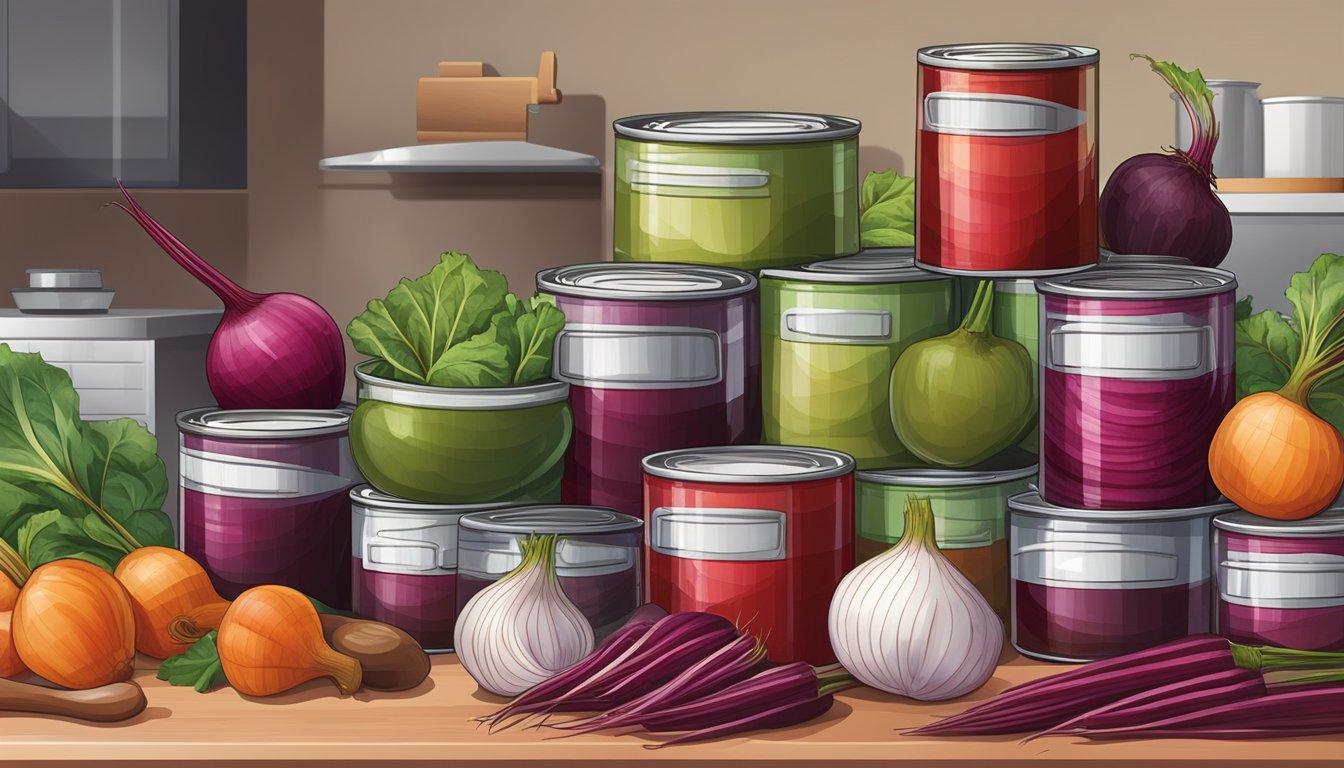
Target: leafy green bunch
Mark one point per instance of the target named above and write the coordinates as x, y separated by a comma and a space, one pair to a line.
458, 326
887, 210
91, 490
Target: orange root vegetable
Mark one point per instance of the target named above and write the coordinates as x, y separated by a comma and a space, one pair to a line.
164, 584
10, 663
1275, 458
74, 626
271, 640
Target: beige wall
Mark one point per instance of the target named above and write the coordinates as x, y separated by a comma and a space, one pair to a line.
339, 77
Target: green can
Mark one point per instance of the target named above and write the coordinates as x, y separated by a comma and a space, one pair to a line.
970, 513
446, 445
1016, 316
830, 333
736, 189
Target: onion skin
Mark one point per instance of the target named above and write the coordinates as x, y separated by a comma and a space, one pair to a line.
1274, 458
1163, 205
74, 626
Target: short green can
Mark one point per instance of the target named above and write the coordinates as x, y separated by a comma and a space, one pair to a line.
747, 190
831, 332
970, 518
446, 445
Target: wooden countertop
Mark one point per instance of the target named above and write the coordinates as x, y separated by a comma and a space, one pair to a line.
431, 726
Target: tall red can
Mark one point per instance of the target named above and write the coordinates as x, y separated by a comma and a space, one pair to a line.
1007, 159
761, 535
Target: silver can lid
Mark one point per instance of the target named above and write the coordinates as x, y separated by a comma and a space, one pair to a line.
644, 281
1328, 523
1140, 281
1007, 56
1304, 100
551, 518
1112, 258
887, 265
737, 127
370, 387
369, 498
268, 424
1030, 502
749, 464
943, 478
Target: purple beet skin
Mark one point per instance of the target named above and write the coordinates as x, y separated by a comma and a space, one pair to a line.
1086, 624
424, 606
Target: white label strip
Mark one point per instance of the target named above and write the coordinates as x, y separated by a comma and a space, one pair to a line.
637, 357
719, 533
835, 326
997, 114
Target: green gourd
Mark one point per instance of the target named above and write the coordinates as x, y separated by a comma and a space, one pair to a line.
959, 399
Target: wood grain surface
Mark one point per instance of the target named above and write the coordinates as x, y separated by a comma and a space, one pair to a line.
431, 725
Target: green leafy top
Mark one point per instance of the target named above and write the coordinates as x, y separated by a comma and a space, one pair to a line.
887, 210
1301, 358
198, 667
1197, 99
458, 326
91, 490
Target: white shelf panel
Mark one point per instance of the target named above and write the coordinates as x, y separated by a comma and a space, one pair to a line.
1280, 203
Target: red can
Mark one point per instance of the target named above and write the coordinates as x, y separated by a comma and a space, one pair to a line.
761, 535
1007, 159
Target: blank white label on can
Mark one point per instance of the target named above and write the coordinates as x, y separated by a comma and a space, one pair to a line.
398, 544
997, 114
637, 357
711, 533
835, 326
1125, 351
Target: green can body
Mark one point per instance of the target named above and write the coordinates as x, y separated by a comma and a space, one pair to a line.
970, 513
831, 332
1016, 316
461, 446
739, 190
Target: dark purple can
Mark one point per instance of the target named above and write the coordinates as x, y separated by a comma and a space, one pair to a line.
265, 499
658, 357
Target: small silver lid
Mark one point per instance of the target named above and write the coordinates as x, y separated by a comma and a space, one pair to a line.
943, 478
644, 281
1328, 523
1304, 100
749, 464
737, 127
238, 424
1007, 56
65, 278
370, 387
1140, 281
890, 265
368, 497
1030, 502
551, 518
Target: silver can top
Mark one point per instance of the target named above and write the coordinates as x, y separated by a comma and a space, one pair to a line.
1031, 503
644, 281
757, 464
370, 387
366, 497
551, 518
944, 478
268, 424
1327, 523
1140, 281
737, 127
1304, 100
1007, 56
876, 266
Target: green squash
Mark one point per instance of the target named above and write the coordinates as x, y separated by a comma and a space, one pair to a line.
959, 399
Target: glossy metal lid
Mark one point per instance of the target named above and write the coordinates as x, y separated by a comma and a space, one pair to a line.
1130, 259
749, 464
943, 478
1140, 281
370, 498
370, 387
737, 127
551, 518
889, 265
1030, 502
1328, 523
217, 422
640, 281
1007, 56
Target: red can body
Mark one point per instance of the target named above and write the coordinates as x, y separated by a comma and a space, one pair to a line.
1006, 180
768, 555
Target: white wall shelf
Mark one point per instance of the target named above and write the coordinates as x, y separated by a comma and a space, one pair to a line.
1281, 203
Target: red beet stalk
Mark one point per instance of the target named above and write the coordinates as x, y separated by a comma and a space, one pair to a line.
1296, 712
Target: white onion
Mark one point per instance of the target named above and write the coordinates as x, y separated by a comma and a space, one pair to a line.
522, 630
908, 622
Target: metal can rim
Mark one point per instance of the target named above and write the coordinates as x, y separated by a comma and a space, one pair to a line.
379, 389
1031, 503
942, 56
930, 477
1222, 282
1327, 524
733, 282
332, 421
835, 464
547, 519
636, 127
